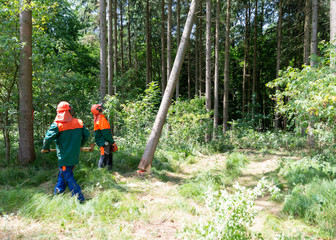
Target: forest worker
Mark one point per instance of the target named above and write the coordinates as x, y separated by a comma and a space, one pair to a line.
69, 134
103, 137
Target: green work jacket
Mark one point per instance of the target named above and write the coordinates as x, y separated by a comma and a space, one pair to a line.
69, 137
102, 131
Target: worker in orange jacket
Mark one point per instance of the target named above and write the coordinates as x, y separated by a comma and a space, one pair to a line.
103, 137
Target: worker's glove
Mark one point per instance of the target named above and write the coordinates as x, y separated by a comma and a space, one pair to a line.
45, 150
114, 147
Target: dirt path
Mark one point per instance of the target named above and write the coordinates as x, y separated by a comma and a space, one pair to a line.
164, 211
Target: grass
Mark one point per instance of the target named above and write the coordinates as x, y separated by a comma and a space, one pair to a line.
123, 205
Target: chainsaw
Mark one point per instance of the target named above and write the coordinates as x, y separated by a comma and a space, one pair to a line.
83, 149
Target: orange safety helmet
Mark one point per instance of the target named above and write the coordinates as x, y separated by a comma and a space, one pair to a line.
63, 106
96, 109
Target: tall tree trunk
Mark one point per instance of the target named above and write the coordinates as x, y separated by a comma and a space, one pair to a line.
102, 28
26, 132
226, 69
169, 38
278, 62
110, 49
215, 123
208, 64
255, 52
115, 42
163, 47
148, 47
246, 47
129, 35
313, 44
196, 54
200, 51
121, 38
177, 91
333, 31
306, 32
154, 137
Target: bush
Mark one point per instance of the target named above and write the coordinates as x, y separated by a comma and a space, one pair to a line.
230, 215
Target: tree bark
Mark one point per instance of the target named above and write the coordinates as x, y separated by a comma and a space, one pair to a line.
246, 46
333, 31
102, 28
226, 69
306, 32
129, 35
121, 38
278, 62
177, 91
163, 48
313, 43
115, 41
110, 49
208, 64
169, 38
148, 46
154, 137
26, 132
215, 123
255, 52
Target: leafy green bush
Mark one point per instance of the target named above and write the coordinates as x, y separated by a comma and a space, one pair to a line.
307, 169
230, 215
250, 138
315, 202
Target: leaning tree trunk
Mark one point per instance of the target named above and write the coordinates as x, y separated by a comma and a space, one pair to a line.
102, 48
226, 70
26, 133
154, 137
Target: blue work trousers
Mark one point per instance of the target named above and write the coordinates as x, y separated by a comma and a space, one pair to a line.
66, 178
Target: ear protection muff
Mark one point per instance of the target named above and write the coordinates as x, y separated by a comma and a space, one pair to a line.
99, 108
71, 110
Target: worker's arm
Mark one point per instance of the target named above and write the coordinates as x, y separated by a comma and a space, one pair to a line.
50, 136
106, 130
85, 136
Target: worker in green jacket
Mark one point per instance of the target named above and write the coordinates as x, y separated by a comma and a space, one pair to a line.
69, 134
103, 137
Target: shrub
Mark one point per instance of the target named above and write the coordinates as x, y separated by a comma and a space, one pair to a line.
230, 215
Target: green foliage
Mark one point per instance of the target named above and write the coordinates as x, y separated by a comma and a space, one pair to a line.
242, 137
229, 215
315, 202
308, 96
306, 170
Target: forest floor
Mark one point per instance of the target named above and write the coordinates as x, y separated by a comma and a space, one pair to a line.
162, 211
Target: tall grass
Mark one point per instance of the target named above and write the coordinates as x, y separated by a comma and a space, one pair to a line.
315, 202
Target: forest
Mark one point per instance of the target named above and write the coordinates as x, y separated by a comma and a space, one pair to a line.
223, 112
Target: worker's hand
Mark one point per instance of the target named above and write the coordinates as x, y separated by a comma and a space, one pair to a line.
45, 150
114, 147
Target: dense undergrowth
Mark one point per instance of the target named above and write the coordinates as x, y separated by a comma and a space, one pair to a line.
307, 180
